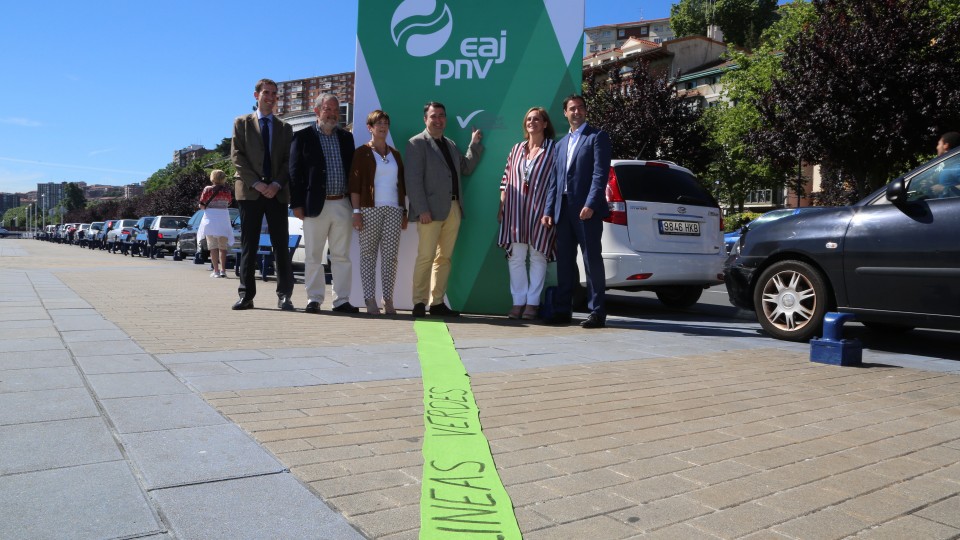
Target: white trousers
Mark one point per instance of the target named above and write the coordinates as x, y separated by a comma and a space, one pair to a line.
526, 290
334, 225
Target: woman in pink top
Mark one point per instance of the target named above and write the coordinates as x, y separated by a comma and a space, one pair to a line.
215, 225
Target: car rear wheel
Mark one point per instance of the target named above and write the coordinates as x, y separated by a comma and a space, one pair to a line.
790, 300
679, 296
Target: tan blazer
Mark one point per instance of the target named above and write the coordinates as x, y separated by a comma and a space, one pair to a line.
246, 152
429, 180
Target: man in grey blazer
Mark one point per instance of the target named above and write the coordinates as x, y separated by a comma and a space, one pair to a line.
262, 185
577, 205
434, 174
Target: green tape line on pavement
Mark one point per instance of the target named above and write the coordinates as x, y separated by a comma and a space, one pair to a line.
462, 494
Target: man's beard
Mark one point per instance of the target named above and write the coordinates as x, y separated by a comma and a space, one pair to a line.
328, 125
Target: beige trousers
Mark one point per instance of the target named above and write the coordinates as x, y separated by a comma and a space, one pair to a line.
437, 240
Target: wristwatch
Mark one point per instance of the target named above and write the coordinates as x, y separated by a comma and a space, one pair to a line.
356, 210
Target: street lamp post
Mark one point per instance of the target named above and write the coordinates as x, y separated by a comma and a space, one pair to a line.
43, 212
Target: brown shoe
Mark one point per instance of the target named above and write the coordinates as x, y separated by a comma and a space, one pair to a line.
515, 312
530, 312
388, 308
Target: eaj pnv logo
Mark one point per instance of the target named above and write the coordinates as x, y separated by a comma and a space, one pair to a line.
419, 29
422, 28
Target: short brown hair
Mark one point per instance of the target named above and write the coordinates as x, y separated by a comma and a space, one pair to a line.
376, 115
263, 82
548, 130
952, 138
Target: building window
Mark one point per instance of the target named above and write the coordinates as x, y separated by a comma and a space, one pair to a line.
760, 196
606, 33
621, 33
657, 40
644, 30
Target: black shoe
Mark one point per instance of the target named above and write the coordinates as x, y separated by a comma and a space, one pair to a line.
441, 310
594, 321
243, 303
420, 310
559, 318
284, 303
346, 307
312, 307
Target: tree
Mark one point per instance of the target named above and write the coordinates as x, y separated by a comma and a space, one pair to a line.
224, 147
736, 167
162, 178
742, 21
867, 91
646, 119
73, 197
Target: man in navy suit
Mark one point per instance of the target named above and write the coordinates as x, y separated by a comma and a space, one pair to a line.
576, 205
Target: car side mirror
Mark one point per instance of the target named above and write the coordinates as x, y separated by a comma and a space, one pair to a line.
897, 191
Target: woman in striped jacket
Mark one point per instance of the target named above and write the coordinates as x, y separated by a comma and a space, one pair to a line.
523, 195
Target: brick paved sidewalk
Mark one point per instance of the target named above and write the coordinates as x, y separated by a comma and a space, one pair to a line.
646, 429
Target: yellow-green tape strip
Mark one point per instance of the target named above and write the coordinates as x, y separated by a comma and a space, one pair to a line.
462, 495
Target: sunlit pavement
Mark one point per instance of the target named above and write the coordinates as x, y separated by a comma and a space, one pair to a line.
134, 402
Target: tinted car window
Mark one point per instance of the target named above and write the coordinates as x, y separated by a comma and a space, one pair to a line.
170, 223
661, 185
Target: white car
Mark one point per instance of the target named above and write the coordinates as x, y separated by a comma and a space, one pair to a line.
664, 233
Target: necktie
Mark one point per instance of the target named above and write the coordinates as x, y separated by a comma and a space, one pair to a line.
265, 132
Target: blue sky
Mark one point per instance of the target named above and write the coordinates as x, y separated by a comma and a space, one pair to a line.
104, 91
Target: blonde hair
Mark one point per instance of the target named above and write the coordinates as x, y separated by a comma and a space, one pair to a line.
218, 177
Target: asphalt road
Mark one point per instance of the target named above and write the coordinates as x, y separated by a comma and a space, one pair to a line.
714, 307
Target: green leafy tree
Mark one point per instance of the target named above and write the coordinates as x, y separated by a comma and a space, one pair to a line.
646, 119
73, 197
162, 178
867, 91
224, 147
742, 21
737, 168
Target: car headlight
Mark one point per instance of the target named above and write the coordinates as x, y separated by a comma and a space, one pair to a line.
735, 250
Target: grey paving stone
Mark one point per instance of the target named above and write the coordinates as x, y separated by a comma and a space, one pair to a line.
77, 336
155, 413
282, 364
49, 358
356, 374
13, 326
31, 344
41, 331
251, 508
101, 348
206, 368
89, 501
249, 381
150, 383
94, 322
46, 405
187, 456
216, 356
25, 380
48, 445
23, 313
134, 363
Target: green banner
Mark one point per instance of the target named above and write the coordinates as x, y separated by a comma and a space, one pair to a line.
488, 63
462, 494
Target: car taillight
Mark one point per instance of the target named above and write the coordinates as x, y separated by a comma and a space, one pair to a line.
618, 206
159, 235
125, 231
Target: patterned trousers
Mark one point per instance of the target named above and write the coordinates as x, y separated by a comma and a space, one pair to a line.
381, 231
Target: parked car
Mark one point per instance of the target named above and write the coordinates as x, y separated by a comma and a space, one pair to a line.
892, 259
5, 233
93, 232
187, 237
730, 238
664, 233
167, 228
120, 227
132, 239
294, 226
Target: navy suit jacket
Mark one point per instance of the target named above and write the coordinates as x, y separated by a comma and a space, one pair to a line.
588, 174
308, 168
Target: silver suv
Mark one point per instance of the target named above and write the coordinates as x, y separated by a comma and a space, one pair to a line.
168, 228
664, 233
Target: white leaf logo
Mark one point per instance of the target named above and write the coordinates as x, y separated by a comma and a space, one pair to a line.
423, 30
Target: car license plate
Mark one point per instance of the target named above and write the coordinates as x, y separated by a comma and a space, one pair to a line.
687, 228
